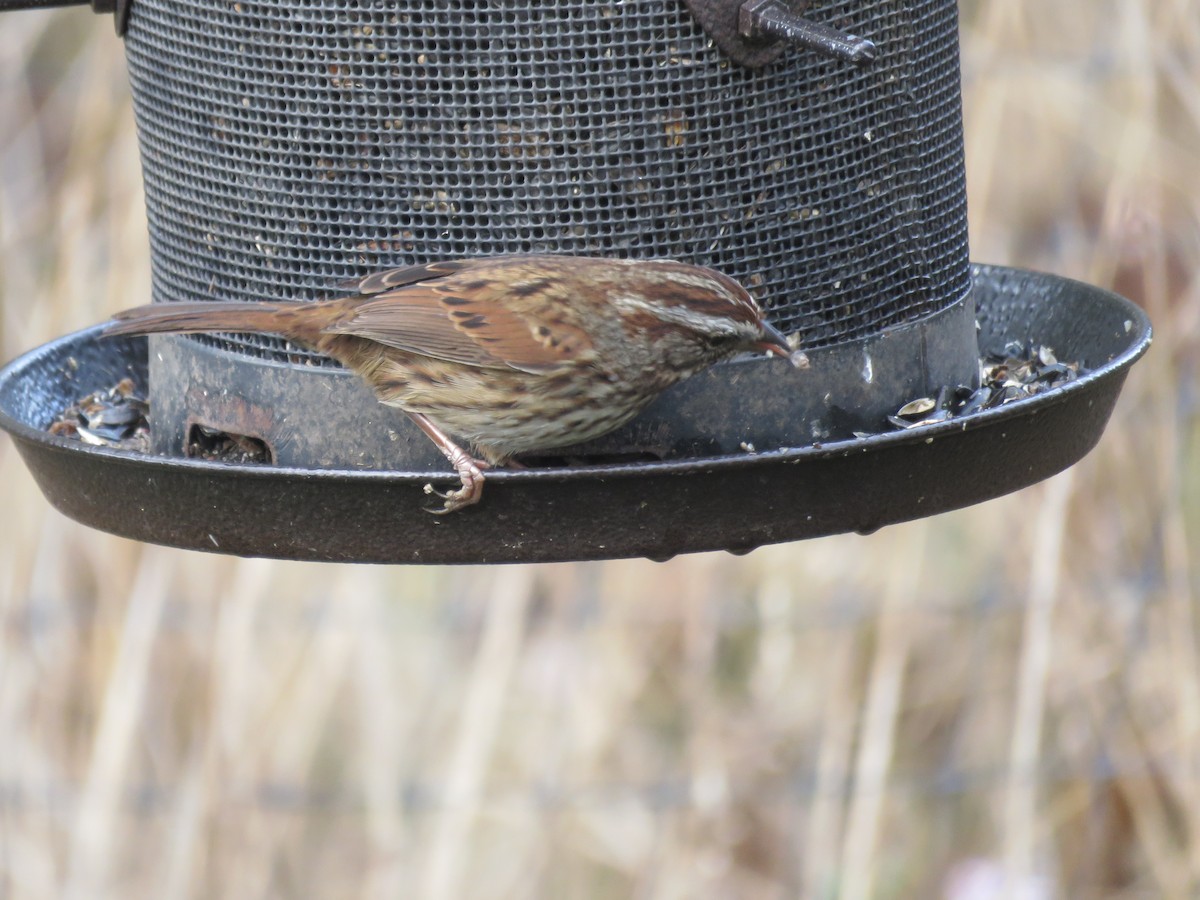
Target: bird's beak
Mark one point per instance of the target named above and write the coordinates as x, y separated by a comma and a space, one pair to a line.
776, 342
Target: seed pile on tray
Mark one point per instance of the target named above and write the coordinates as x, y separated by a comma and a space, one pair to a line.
1018, 372
115, 417
221, 446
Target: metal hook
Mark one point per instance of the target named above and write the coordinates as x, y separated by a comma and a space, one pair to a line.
760, 20
119, 8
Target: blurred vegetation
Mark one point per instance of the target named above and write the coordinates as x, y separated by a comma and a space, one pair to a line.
998, 702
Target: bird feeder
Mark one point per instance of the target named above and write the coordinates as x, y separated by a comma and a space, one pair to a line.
814, 154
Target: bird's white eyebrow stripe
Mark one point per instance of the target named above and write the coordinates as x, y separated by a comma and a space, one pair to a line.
705, 282
681, 315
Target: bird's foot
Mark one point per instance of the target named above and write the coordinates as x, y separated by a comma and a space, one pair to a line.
470, 473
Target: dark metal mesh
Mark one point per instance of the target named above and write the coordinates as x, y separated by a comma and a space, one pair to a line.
294, 144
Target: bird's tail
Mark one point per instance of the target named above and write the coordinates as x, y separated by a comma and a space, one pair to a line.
192, 317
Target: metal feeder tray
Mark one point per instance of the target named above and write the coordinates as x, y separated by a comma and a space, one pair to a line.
735, 502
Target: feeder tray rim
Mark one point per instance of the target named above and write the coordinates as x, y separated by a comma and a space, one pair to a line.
733, 502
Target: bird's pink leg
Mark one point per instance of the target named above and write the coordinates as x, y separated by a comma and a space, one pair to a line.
469, 469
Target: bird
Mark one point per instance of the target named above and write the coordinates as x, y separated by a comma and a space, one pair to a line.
507, 355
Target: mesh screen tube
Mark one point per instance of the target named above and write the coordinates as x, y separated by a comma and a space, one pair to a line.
291, 145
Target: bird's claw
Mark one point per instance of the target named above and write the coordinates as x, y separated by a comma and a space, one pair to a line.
470, 472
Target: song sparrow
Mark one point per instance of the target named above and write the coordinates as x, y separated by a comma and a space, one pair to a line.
508, 354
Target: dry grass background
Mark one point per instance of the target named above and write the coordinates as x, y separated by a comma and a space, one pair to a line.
999, 702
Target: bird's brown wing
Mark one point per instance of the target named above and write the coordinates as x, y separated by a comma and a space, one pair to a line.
391, 279
494, 316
